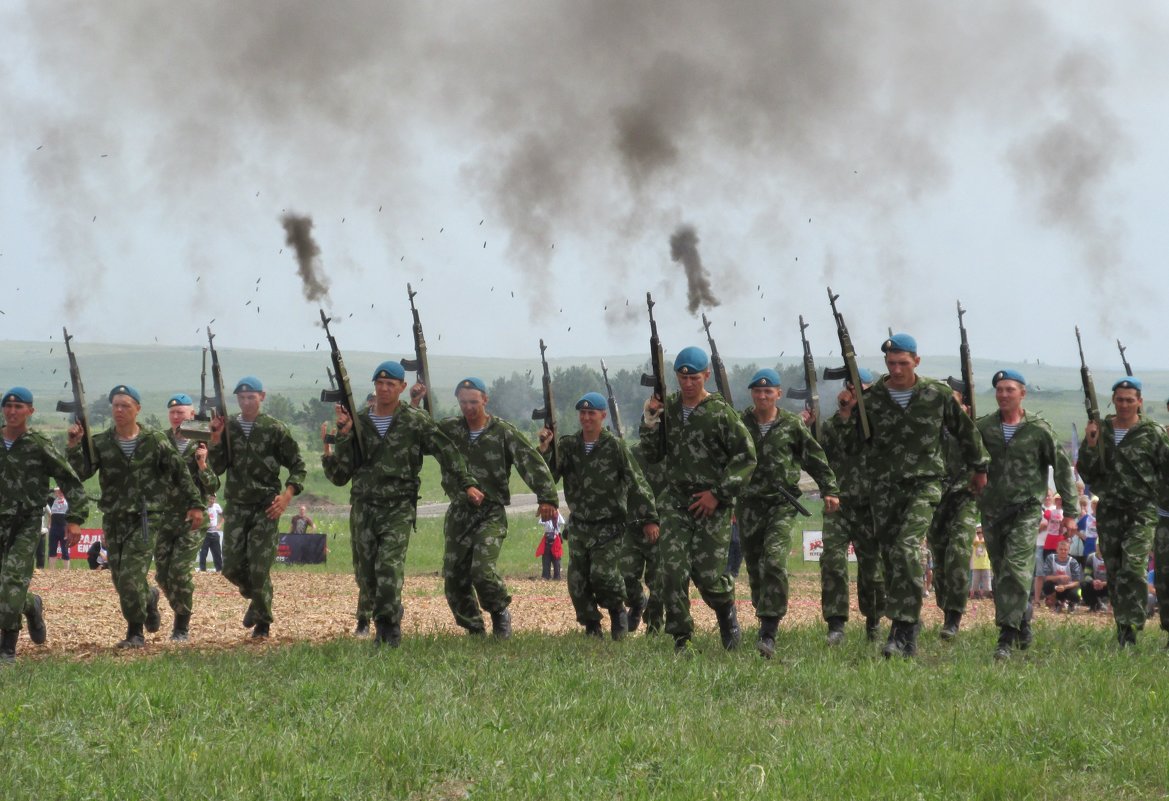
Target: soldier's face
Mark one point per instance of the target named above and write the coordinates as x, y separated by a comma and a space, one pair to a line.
901, 367
124, 410
16, 414
1009, 395
691, 385
1127, 403
249, 402
591, 421
765, 398
472, 403
387, 390
179, 415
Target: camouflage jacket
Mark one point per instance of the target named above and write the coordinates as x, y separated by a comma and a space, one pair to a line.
393, 462
256, 460
205, 480
25, 470
155, 476
712, 451
491, 457
843, 448
786, 447
1134, 472
907, 443
1018, 469
605, 485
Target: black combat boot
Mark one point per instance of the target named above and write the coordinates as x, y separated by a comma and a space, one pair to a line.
260, 631
37, 632
1007, 636
134, 638
618, 623
835, 630
635, 612
909, 639
501, 624
179, 630
1126, 636
872, 628
682, 644
1024, 636
8, 645
593, 629
153, 619
250, 616
362, 629
895, 645
388, 634
728, 626
766, 644
950, 627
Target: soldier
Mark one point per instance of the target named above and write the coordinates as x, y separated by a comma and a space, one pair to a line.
783, 444
951, 539
639, 558
178, 544
143, 479
709, 456
260, 446
27, 462
905, 465
473, 533
384, 494
853, 523
1126, 462
1022, 448
607, 492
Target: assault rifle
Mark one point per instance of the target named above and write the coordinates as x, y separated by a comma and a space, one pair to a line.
219, 399
76, 407
196, 428
809, 393
419, 364
850, 370
614, 414
1124, 359
716, 362
1091, 405
965, 384
547, 413
657, 378
344, 393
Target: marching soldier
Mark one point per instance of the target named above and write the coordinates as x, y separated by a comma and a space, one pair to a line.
143, 479
639, 559
27, 462
951, 540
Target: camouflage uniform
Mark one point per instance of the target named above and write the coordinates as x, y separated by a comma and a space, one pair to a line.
25, 470
178, 545
1013, 501
852, 523
384, 499
607, 493
711, 451
639, 557
138, 496
765, 517
473, 535
905, 463
1129, 478
1161, 557
253, 481
951, 533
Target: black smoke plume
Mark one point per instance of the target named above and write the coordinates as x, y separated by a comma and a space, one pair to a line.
298, 232
684, 248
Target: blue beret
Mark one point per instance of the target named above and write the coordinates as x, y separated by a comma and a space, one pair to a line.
470, 382
181, 399
691, 360
389, 370
865, 375
1007, 375
1128, 382
125, 389
764, 378
18, 394
592, 400
249, 383
899, 342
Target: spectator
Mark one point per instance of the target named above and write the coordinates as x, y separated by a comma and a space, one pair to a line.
1061, 579
1087, 528
1095, 586
1154, 606
46, 516
551, 548
980, 567
99, 558
213, 540
57, 541
301, 523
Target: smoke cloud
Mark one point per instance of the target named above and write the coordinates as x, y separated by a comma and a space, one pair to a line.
298, 232
684, 249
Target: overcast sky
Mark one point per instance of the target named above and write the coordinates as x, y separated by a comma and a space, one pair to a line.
525, 166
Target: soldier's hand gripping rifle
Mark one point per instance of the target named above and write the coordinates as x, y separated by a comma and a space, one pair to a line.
965, 384
850, 370
76, 407
809, 393
657, 378
218, 407
547, 413
419, 364
1091, 405
344, 392
718, 367
614, 413
1124, 359
196, 428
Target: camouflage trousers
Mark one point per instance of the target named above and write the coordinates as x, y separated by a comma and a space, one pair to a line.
1126, 536
249, 551
594, 569
19, 535
765, 533
380, 534
472, 539
901, 518
174, 561
689, 548
951, 543
130, 553
1161, 557
364, 602
853, 523
1010, 544
640, 558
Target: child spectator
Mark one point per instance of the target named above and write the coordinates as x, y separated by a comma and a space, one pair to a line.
980, 567
551, 548
1087, 527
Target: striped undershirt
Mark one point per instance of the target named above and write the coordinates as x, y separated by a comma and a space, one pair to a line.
1118, 435
686, 412
1009, 430
902, 396
1162, 512
588, 446
246, 425
474, 434
765, 427
381, 422
127, 445
8, 443
182, 445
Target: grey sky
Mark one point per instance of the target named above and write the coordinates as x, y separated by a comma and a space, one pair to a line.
1009, 154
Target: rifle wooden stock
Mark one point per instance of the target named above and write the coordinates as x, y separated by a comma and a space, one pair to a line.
614, 412
852, 372
721, 381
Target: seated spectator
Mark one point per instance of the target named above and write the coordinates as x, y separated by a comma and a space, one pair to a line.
98, 556
1095, 586
1061, 579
